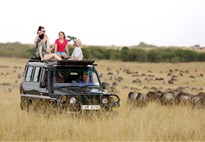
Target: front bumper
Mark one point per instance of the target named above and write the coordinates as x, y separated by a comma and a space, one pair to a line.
89, 102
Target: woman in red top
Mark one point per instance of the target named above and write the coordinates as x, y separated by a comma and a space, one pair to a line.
61, 45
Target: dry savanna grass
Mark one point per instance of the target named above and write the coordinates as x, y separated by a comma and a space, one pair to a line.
153, 122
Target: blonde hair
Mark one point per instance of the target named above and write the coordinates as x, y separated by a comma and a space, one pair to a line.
78, 42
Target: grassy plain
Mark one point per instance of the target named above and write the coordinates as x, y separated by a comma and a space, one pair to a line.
153, 122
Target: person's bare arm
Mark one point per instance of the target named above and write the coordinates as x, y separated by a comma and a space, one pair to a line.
75, 58
55, 49
48, 45
36, 39
40, 52
52, 47
67, 51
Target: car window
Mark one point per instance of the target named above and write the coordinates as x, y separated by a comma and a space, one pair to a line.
95, 79
37, 74
75, 77
29, 74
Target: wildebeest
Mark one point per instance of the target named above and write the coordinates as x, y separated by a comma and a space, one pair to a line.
150, 75
169, 74
159, 78
191, 76
184, 98
5, 84
149, 71
119, 79
196, 88
154, 95
171, 70
114, 84
132, 96
167, 99
138, 99
142, 100
146, 87
171, 82
143, 74
2, 66
125, 87
19, 76
110, 73
108, 69
127, 71
198, 100
137, 81
134, 88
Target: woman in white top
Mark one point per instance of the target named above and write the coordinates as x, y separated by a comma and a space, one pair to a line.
77, 53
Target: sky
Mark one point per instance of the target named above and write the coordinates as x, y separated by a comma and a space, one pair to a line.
106, 22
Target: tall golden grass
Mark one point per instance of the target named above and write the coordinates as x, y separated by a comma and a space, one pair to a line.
150, 123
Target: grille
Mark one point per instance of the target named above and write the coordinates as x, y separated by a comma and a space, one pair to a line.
90, 99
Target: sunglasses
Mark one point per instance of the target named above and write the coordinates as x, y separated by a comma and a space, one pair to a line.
43, 31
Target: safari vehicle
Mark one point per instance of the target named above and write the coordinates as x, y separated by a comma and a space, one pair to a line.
65, 86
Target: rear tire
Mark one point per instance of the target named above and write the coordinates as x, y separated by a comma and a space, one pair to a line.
24, 104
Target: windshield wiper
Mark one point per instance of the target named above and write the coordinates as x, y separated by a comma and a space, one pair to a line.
88, 86
65, 86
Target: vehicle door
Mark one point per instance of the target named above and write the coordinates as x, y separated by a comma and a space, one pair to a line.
31, 83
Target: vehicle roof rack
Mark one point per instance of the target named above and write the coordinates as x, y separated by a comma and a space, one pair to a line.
76, 62
65, 62
34, 60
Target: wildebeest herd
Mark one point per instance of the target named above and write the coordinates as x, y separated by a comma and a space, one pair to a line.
169, 97
177, 96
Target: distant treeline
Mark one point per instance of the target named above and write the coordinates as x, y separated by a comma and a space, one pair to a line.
138, 54
145, 55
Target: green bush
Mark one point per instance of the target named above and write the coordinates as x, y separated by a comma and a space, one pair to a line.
137, 54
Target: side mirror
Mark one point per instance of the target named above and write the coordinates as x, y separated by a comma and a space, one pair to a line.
104, 85
42, 84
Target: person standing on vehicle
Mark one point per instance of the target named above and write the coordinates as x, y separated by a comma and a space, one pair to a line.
77, 53
61, 45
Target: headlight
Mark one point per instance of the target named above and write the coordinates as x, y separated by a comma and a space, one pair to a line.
72, 100
104, 100
64, 98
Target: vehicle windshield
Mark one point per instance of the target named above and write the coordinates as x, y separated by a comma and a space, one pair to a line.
76, 77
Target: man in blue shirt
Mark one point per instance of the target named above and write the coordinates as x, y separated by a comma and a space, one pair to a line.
86, 79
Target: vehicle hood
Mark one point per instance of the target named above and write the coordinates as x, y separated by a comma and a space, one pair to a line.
77, 91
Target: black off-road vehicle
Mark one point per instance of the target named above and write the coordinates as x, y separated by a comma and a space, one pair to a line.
65, 86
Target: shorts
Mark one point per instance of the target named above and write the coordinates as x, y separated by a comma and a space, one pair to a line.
61, 53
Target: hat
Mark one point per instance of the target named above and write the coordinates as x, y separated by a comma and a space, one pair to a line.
78, 42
